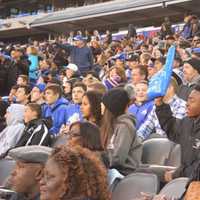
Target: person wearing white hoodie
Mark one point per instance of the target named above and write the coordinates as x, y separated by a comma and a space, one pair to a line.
14, 129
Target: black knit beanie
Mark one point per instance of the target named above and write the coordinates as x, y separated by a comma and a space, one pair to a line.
195, 63
116, 101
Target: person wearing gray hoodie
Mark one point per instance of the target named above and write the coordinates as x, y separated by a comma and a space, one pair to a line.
118, 133
14, 129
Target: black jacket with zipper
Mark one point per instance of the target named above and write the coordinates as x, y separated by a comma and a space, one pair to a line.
36, 133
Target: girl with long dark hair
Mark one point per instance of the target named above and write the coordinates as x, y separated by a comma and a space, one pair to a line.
118, 133
91, 107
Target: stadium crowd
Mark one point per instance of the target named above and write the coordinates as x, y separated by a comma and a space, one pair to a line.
85, 98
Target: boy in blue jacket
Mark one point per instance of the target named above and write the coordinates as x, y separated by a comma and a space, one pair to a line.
56, 107
74, 109
141, 108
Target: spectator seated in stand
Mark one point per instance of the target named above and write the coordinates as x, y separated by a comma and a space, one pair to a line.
30, 162
118, 131
177, 105
75, 173
74, 109
56, 107
142, 107
36, 130
14, 129
23, 94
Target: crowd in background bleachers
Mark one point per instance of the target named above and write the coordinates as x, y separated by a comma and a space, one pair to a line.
87, 97
13, 10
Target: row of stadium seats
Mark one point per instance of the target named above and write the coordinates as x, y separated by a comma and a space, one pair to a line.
159, 154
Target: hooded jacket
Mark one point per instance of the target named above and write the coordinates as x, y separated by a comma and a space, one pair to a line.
58, 113
36, 132
14, 130
124, 149
185, 132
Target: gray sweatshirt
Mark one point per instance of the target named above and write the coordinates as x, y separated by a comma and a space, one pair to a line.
125, 149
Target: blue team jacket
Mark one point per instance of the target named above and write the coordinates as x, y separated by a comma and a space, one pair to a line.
141, 112
58, 113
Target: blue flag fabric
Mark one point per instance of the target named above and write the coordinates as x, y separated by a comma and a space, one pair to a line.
159, 83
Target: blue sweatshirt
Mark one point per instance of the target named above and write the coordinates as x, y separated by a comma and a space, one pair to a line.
141, 112
82, 57
73, 113
58, 113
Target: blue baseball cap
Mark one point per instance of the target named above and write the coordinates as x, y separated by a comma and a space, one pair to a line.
120, 56
41, 86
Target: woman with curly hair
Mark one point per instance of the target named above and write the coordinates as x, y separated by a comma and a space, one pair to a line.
91, 107
74, 174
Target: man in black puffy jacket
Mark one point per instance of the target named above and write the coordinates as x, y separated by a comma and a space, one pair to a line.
185, 132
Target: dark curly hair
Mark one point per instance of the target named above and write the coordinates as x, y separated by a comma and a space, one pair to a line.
95, 98
87, 177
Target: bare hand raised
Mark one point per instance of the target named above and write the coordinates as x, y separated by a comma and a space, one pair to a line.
158, 101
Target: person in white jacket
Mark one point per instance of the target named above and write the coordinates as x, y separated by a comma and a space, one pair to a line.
14, 129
